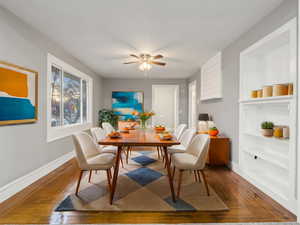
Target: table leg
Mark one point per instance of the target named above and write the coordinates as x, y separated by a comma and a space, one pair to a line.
169, 173
115, 175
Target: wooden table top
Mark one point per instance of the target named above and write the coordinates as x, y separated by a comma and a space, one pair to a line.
139, 137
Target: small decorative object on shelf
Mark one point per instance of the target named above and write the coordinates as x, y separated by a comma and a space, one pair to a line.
254, 94
290, 89
267, 91
280, 89
267, 129
286, 132
273, 91
278, 132
213, 131
143, 117
259, 93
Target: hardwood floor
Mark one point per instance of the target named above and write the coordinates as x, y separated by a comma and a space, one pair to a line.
36, 203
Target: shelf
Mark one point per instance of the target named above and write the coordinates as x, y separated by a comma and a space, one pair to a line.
255, 134
267, 62
268, 100
281, 161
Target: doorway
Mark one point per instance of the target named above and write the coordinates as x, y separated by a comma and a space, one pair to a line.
165, 105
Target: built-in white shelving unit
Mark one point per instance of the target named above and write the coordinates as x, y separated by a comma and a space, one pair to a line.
269, 163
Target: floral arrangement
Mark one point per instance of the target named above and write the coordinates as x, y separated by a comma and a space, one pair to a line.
143, 117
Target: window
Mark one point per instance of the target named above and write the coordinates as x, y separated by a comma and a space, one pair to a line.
193, 104
69, 97
211, 78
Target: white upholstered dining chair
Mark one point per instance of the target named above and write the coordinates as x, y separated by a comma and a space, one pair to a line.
193, 159
108, 128
179, 131
89, 158
184, 140
99, 134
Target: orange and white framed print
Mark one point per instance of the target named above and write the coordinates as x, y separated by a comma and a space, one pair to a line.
18, 94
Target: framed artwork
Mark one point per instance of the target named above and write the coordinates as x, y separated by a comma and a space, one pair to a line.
18, 94
125, 102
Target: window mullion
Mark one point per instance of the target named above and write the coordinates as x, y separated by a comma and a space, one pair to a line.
81, 108
62, 99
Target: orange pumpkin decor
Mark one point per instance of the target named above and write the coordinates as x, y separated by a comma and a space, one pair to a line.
159, 128
114, 134
213, 131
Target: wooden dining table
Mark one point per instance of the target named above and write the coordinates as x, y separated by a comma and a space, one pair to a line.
139, 137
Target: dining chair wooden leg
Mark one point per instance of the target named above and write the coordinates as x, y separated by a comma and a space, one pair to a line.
90, 176
109, 174
121, 158
195, 174
162, 153
179, 182
78, 182
199, 177
205, 181
108, 179
127, 155
173, 174
158, 154
170, 159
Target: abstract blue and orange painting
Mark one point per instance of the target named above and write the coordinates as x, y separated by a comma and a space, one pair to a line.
125, 102
17, 95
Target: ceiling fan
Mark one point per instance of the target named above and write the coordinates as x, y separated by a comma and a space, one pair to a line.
146, 61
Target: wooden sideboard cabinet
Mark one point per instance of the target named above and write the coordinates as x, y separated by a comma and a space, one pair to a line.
219, 150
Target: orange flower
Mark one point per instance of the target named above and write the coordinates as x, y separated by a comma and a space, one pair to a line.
135, 113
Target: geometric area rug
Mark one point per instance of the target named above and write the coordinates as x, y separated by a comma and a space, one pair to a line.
142, 186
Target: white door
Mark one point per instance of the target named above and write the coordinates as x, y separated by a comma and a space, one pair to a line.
165, 105
192, 104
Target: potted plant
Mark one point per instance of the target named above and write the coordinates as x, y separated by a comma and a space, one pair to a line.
213, 131
267, 128
107, 115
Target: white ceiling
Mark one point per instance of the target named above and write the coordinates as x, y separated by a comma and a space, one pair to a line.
102, 33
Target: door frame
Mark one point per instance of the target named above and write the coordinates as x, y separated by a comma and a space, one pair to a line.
176, 110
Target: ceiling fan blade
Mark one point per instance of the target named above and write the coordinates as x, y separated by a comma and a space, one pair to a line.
131, 62
158, 63
135, 56
158, 57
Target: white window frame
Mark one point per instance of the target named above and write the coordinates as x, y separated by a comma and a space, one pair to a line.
193, 104
54, 133
211, 78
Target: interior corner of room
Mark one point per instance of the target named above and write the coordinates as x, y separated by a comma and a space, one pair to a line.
165, 88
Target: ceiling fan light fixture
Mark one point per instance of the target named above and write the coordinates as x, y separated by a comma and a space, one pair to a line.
145, 66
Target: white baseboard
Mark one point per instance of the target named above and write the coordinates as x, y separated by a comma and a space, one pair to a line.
19, 184
234, 167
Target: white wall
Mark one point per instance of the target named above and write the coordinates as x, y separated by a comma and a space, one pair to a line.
23, 148
145, 85
225, 110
